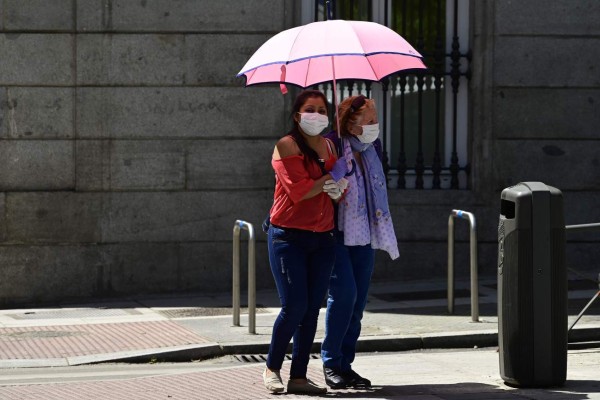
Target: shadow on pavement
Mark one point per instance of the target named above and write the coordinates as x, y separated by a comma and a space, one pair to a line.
572, 390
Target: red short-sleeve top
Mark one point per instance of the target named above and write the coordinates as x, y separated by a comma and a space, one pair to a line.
293, 179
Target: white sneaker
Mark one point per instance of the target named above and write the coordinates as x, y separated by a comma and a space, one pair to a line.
272, 381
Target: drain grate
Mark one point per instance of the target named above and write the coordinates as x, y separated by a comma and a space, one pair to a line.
205, 312
78, 313
260, 358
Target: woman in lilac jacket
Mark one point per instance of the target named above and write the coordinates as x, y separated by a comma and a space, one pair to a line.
363, 224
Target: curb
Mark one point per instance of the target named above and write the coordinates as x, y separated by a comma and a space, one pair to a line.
589, 336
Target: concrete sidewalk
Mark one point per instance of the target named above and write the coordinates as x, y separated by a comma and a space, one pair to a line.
399, 316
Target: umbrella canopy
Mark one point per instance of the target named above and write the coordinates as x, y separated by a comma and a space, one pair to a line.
328, 51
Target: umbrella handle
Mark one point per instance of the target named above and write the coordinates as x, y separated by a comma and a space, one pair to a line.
351, 169
341, 153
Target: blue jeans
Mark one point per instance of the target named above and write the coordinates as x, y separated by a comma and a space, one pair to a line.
348, 290
301, 263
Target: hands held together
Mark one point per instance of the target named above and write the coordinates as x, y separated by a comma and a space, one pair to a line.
335, 189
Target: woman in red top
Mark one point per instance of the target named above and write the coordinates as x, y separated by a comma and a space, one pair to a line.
301, 242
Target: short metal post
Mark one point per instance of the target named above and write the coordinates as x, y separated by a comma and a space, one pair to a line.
239, 224
473, 262
451, 264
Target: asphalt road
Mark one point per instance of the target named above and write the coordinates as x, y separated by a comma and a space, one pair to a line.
470, 374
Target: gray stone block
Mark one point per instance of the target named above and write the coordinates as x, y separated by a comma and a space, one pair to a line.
425, 260
180, 113
546, 61
53, 217
40, 113
579, 208
147, 165
36, 165
582, 257
130, 59
540, 17
92, 165
567, 165
5, 108
207, 267
181, 216
36, 59
482, 17
2, 217
172, 165
230, 164
181, 15
430, 222
546, 113
44, 274
39, 15
215, 60
140, 268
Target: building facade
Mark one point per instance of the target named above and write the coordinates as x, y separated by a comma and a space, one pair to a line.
128, 147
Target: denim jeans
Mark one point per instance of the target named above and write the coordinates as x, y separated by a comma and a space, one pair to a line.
348, 290
301, 263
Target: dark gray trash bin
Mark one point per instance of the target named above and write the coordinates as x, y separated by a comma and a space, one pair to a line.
532, 286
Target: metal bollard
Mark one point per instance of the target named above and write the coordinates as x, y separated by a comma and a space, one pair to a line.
473, 261
239, 224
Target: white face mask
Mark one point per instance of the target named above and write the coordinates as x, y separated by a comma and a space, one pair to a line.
370, 133
313, 123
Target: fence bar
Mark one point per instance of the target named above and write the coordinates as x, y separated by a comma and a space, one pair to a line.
582, 227
239, 225
579, 228
473, 261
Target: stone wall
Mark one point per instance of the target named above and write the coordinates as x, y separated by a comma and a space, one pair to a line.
534, 116
128, 147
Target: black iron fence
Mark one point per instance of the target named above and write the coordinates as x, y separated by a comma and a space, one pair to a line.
421, 134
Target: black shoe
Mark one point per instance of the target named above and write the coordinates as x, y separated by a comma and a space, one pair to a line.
355, 380
334, 378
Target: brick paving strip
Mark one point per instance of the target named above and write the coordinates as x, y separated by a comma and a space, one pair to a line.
50, 342
240, 383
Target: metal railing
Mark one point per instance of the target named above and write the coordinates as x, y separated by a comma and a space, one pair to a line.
579, 228
473, 261
426, 106
239, 225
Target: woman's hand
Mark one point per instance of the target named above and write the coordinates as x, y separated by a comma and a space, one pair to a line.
335, 189
339, 169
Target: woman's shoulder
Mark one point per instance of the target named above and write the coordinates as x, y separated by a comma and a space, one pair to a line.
286, 146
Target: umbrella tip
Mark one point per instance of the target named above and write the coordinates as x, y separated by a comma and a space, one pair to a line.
283, 88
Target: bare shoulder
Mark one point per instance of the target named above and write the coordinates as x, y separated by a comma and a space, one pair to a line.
285, 147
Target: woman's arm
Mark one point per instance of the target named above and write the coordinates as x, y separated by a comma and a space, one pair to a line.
294, 180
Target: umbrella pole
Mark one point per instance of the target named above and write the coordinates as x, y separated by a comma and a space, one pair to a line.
337, 118
337, 114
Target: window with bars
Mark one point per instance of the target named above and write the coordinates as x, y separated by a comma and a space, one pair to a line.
423, 114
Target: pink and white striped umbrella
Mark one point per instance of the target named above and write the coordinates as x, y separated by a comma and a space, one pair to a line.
328, 51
